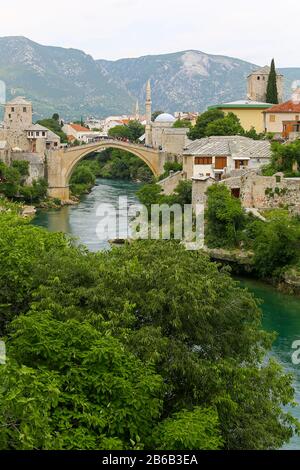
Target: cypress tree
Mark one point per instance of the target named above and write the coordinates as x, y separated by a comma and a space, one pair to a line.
272, 92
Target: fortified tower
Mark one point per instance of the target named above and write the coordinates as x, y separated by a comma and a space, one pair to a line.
258, 82
18, 114
148, 138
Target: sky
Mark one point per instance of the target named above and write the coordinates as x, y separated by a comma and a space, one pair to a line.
253, 30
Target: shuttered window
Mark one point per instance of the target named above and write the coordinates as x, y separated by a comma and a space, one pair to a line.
203, 160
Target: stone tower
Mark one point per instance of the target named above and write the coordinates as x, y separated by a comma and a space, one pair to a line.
258, 82
137, 111
18, 114
148, 138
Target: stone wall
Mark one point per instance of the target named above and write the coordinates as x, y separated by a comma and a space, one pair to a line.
267, 192
36, 164
170, 183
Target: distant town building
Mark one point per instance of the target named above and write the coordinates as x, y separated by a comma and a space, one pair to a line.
250, 113
161, 134
192, 117
258, 82
80, 133
215, 157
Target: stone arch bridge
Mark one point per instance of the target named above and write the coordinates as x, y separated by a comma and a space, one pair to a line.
61, 163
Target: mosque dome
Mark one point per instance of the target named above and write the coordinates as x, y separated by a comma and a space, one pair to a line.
165, 117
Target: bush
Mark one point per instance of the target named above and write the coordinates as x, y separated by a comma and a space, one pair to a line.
225, 217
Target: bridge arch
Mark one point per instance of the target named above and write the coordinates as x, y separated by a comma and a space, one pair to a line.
79, 156
61, 163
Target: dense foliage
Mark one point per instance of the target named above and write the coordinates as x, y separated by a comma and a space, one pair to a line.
13, 183
180, 123
215, 122
150, 346
152, 194
168, 167
275, 243
285, 158
131, 131
224, 216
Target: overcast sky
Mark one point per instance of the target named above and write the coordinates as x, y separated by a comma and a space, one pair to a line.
253, 30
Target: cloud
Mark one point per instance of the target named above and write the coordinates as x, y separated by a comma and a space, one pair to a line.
254, 31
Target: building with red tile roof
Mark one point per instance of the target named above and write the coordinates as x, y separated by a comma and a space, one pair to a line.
284, 118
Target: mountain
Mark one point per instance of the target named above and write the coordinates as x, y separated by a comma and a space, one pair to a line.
72, 83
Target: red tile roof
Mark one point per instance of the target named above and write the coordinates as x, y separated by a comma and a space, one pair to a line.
79, 128
287, 107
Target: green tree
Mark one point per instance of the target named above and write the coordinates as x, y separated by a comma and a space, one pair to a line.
197, 429
252, 134
69, 386
35, 192
22, 166
272, 92
150, 194
284, 156
180, 123
228, 125
92, 330
225, 217
199, 130
276, 244
183, 193
132, 131
10, 180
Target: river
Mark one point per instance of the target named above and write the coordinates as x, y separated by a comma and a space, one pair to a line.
281, 313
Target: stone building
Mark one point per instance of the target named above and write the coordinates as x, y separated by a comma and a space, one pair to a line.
218, 156
257, 83
161, 134
265, 192
20, 139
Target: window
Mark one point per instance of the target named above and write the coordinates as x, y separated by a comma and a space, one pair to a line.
203, 160
43, 133
297, 117
12, 110
24, 110
258, 78
220, 163
9, 116
239, 163
37, 134
272, 118
278, 179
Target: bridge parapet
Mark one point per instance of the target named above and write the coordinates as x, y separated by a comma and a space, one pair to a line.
61, 163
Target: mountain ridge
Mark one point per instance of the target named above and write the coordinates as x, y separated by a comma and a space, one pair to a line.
73, 83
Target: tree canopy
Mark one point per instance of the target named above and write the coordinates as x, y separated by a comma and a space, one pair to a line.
131, 131
150, 346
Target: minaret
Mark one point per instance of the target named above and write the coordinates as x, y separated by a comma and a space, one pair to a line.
137, 111
148, 139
